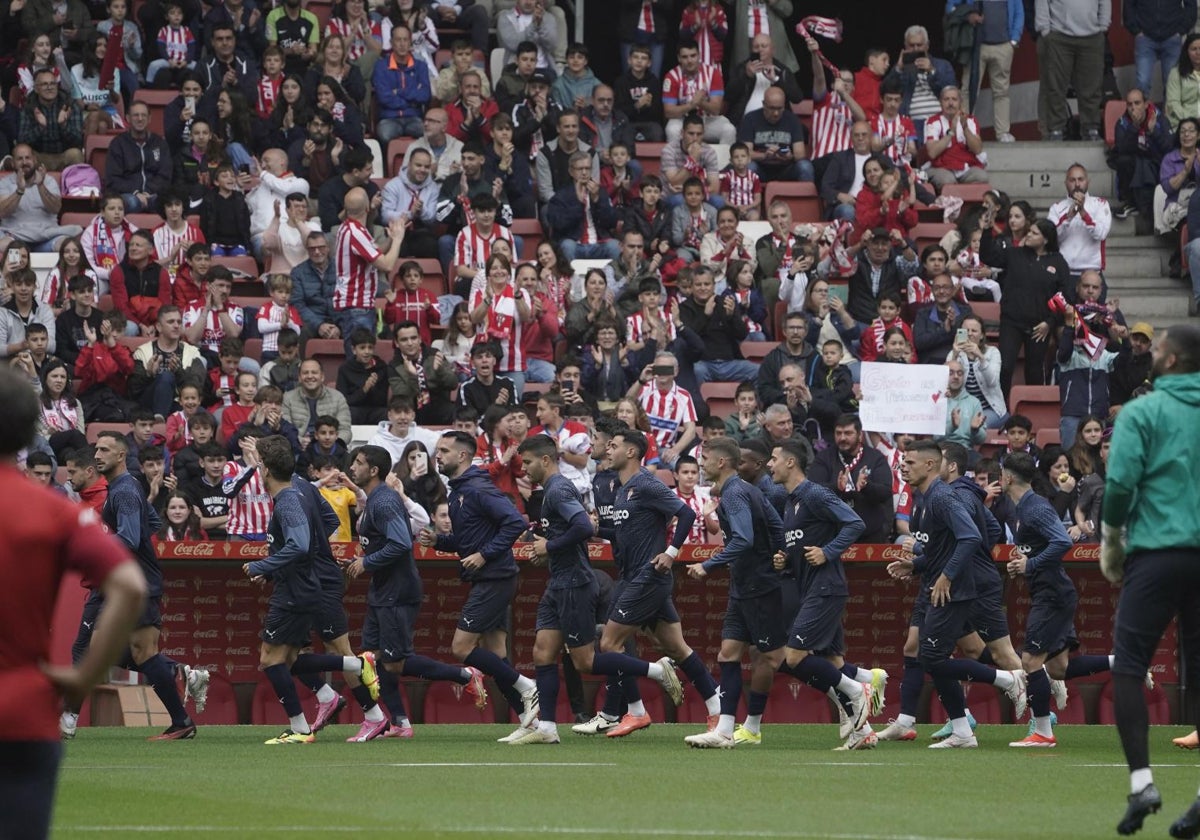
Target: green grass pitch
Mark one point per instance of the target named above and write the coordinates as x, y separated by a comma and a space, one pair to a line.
456, 782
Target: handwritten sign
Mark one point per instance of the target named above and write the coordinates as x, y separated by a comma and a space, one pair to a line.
904, 398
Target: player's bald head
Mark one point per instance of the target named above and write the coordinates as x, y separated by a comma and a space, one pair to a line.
356, 202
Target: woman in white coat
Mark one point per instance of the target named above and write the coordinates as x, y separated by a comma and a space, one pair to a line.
981, 363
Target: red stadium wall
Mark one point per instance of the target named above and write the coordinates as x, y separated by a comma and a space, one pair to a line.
212, 613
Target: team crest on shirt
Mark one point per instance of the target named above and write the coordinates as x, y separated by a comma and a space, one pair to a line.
545, 522
155, 153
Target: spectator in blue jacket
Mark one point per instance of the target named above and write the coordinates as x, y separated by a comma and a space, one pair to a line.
138, 165
923, 76
401, 85
313, 283
581, 216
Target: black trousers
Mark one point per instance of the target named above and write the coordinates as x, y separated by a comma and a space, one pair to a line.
1012, 338
28, 774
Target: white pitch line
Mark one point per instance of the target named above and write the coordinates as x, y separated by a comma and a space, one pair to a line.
855, 764
491, 829
1152, 766
483, 764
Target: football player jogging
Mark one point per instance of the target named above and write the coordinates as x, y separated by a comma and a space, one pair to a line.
128, 516
333, 627
642, 510
566, 613
817, 528
943, 542
394, 595
754, 615
1151, 537
50, 537
486, 524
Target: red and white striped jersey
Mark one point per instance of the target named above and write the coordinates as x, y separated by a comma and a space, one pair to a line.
354, 256
757, 22
667, 410
355, 46
635, 326
266, 92
473, 248
742, 190
646, 17
250, 508
54, 288
166, 239
742, 296
574, 438
214, 333
270, 324
503, 325
895, 133
174, 42
678, 87
699, 534
707, 24
832, 120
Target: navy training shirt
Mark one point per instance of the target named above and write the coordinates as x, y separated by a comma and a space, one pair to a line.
387, 547
568, 563
642, 509
947, 539
289, 565
816, 516
128, 515
753, 532
1041, 535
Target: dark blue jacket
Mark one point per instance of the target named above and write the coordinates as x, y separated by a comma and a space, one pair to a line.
401, 92
566, 215
1158, 20
484, 521
942, 75
312, 293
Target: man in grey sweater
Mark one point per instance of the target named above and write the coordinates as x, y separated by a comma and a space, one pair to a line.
1071, 53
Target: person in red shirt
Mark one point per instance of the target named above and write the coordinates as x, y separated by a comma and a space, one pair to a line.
868, 79
50, 538
407, 301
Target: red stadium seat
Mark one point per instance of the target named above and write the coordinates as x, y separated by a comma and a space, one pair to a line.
95, 151
252, 348
81, 219
989, 313
804, 110
929, 233
756, 351
330, 352
157, 101
666, 477
649, 155
221, 708
1156, 702
720, 397
246, 266
395, 154
1049, 436
800, 196
144, 221
969, 193
1040, 403
94, 429
531, 233
791, 701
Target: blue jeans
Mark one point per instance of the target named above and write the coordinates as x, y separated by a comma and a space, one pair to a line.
228, 250
518, 380
1146, 52
1067, 427
606, 250
348, 319
1193, 255
800, 170
160, 397
133, 204
728, 370
842, 212
539, 370
393, 127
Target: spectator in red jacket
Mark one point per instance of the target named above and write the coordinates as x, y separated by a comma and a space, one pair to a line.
102, 369
139, 285
540, 334
883, 201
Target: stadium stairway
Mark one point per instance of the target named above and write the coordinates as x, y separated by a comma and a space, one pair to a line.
1136, 265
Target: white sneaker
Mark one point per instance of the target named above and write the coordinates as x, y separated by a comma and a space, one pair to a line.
1149, 681
670, 681
67, 725
864, 739
596, 726
1006, 138
955, 742
536, 736
860, 707
844, 728
1058, 690
896, 731
518, 733
710, 740
529, 700
1018, 694
195, 682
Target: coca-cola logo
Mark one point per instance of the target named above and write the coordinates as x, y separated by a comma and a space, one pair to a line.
242, 616
206, 599
174, 617
205, 634
883, 616
188, 549
893, 552
237, 651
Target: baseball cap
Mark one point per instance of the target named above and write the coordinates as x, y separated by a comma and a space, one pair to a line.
1142, 328
880, 233
539, 77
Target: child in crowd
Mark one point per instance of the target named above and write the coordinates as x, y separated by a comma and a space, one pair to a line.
743, 423
178, 48
175, 235
741, 187
408, 301
185, 462
335, 488
178, 432
691, 221
793, 287
976, 279
745, 291
241, 411
363, 380
284, 370
1019, 430
71, 264
699, 499
266, 92
617, 177
222, 379
832, 382
888, 310
277, 315
225, 217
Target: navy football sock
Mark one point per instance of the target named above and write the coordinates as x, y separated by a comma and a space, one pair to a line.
389, 693
619, 664
818, 672
693, 668
492, 665
1085, 666
509, 692
910, 685
614, 696
363, 697
547, 683
965, 669
317, 663
285, 688
756, 703
431, 669
1038, 688
161, 676
985, 658
731, 687
311, 681
951, 694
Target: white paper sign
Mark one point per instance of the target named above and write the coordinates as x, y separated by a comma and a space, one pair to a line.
904, 398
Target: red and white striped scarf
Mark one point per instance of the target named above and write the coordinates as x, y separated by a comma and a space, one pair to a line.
823, 27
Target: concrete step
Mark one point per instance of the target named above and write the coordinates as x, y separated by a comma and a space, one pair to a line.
1036, 172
